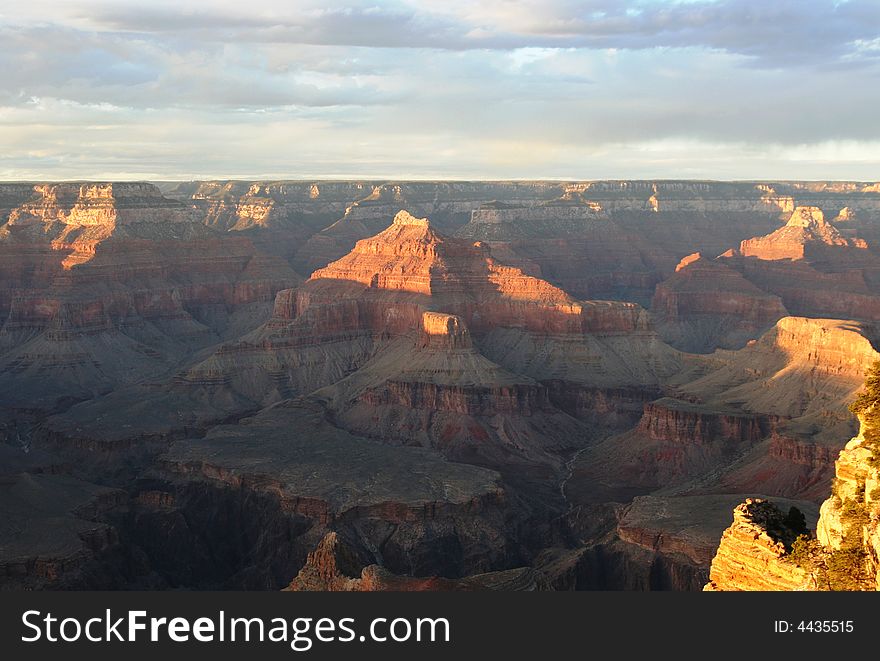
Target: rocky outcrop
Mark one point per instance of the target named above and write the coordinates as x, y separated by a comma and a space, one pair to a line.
441, 392
850, 518
656, 542
409, 316
674, 526
767, 417
673, 442
446, 390
799, 368
335, 567
753, 549
803, 373
808, 267
806, 231
448, 204
758, 552
460, 277
444, 331
812, 267
79, 217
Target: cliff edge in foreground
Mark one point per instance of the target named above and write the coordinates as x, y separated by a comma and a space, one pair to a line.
763, 549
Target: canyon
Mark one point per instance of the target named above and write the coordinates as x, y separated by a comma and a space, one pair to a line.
373, 385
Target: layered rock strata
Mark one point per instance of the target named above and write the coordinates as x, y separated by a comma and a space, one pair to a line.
758, 551
752, 552
113, 283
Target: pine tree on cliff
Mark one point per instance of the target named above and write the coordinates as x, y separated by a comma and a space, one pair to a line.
796, 522
866, 406
870, 397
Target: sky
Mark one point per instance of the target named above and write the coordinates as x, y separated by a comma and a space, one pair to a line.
448, 89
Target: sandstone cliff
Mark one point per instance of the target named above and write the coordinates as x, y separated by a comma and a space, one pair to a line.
439, 391
707, 304
447, 396
767, 418
753, 550
425, 326
110, 284
806, 230
849, 521
761, 551
800, 368
808, 267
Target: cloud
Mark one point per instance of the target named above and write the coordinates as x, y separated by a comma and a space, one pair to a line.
85, 67
782, 32
498, 87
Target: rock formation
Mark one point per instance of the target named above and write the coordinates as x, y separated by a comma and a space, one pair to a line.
707, 304
448, 204
619, 239
475, 401
799, 368
335, 567
765, 418
806, 232
439, 391
849, 521
807, 267
759, 551
753, 550
425, 327
408, 505
113, 283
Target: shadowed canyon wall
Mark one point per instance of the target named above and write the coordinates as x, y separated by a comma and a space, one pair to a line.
366, 385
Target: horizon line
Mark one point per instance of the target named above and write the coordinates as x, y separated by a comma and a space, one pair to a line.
406, 179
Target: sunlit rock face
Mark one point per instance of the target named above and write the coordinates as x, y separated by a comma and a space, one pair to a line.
112, 283
808, 267
752, 553
756, 551
453, 385
805, 230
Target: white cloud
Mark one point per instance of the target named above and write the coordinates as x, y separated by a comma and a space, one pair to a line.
485, 88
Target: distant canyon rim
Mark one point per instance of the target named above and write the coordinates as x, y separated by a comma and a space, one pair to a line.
414, 385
